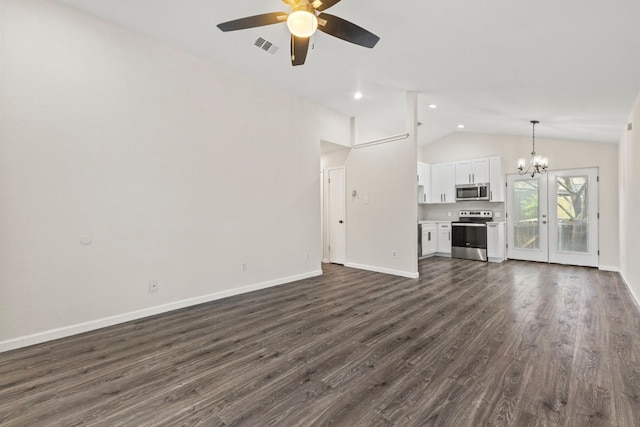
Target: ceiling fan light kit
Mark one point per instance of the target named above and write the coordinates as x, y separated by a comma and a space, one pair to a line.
303, 20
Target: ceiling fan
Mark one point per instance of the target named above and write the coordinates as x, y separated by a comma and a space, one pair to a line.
303, 19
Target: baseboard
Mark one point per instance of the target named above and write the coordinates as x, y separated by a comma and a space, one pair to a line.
383, 270
609, 268
67, 331
635, 297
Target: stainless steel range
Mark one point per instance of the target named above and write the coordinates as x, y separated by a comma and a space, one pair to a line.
469, 235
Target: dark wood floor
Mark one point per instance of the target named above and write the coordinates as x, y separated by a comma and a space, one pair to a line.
468, 344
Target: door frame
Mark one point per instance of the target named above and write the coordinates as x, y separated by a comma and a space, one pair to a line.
548, 220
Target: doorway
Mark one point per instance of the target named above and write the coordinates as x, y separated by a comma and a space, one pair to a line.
554, 217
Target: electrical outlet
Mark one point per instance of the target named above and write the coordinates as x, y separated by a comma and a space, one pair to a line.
394, 254
244, 267
449, 214
498, 214
306, 257
153, 286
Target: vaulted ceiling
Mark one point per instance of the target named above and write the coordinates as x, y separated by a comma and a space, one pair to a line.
490, 65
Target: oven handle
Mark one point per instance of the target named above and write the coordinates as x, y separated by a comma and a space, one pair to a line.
467, 224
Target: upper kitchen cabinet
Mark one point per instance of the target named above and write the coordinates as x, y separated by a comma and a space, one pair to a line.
424, 172
496, 179
424, 182
443, 183
473, 171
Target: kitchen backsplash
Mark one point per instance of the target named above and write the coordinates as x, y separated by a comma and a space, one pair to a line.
440, 212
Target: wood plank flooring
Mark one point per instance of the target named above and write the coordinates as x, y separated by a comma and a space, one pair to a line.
467, 344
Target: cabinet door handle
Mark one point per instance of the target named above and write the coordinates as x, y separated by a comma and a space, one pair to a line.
449, 236
429, 234
491, 195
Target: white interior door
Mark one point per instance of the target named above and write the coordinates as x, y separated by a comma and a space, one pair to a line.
337, 213
573, 231
527, 220
554, 217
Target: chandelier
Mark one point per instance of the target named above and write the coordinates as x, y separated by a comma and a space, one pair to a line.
537, 163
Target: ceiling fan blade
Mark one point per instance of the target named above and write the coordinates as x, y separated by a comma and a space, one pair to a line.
346, 30
321, 5
299, 49
254, 21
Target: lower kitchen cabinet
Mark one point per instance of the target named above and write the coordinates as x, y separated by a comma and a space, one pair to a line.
444, 237
496, 246
429, 239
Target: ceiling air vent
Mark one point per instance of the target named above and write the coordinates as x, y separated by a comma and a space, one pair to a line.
266, 46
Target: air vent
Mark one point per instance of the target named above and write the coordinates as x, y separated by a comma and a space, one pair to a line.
629, 127
267, 46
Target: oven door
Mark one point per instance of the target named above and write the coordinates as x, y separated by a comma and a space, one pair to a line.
469, 240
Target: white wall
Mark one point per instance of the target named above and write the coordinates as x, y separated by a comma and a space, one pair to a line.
152, 158
629, 191
563, 154
385, 175
382, 217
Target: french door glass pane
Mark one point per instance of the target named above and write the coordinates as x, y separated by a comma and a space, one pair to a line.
526, 225
573, 215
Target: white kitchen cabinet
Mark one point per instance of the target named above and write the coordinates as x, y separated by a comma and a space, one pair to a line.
443, 183
444, 237
474, 171
496, 179
424, 183
423, 170
496, 246
429, 239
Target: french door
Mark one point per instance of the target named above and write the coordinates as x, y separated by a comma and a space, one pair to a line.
554, 217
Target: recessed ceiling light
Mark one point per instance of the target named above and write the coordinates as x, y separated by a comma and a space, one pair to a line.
433, 106
460, 126
357, 95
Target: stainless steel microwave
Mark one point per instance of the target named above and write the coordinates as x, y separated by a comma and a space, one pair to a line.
472, 192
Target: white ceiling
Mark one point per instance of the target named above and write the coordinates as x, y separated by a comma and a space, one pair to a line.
492, 65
